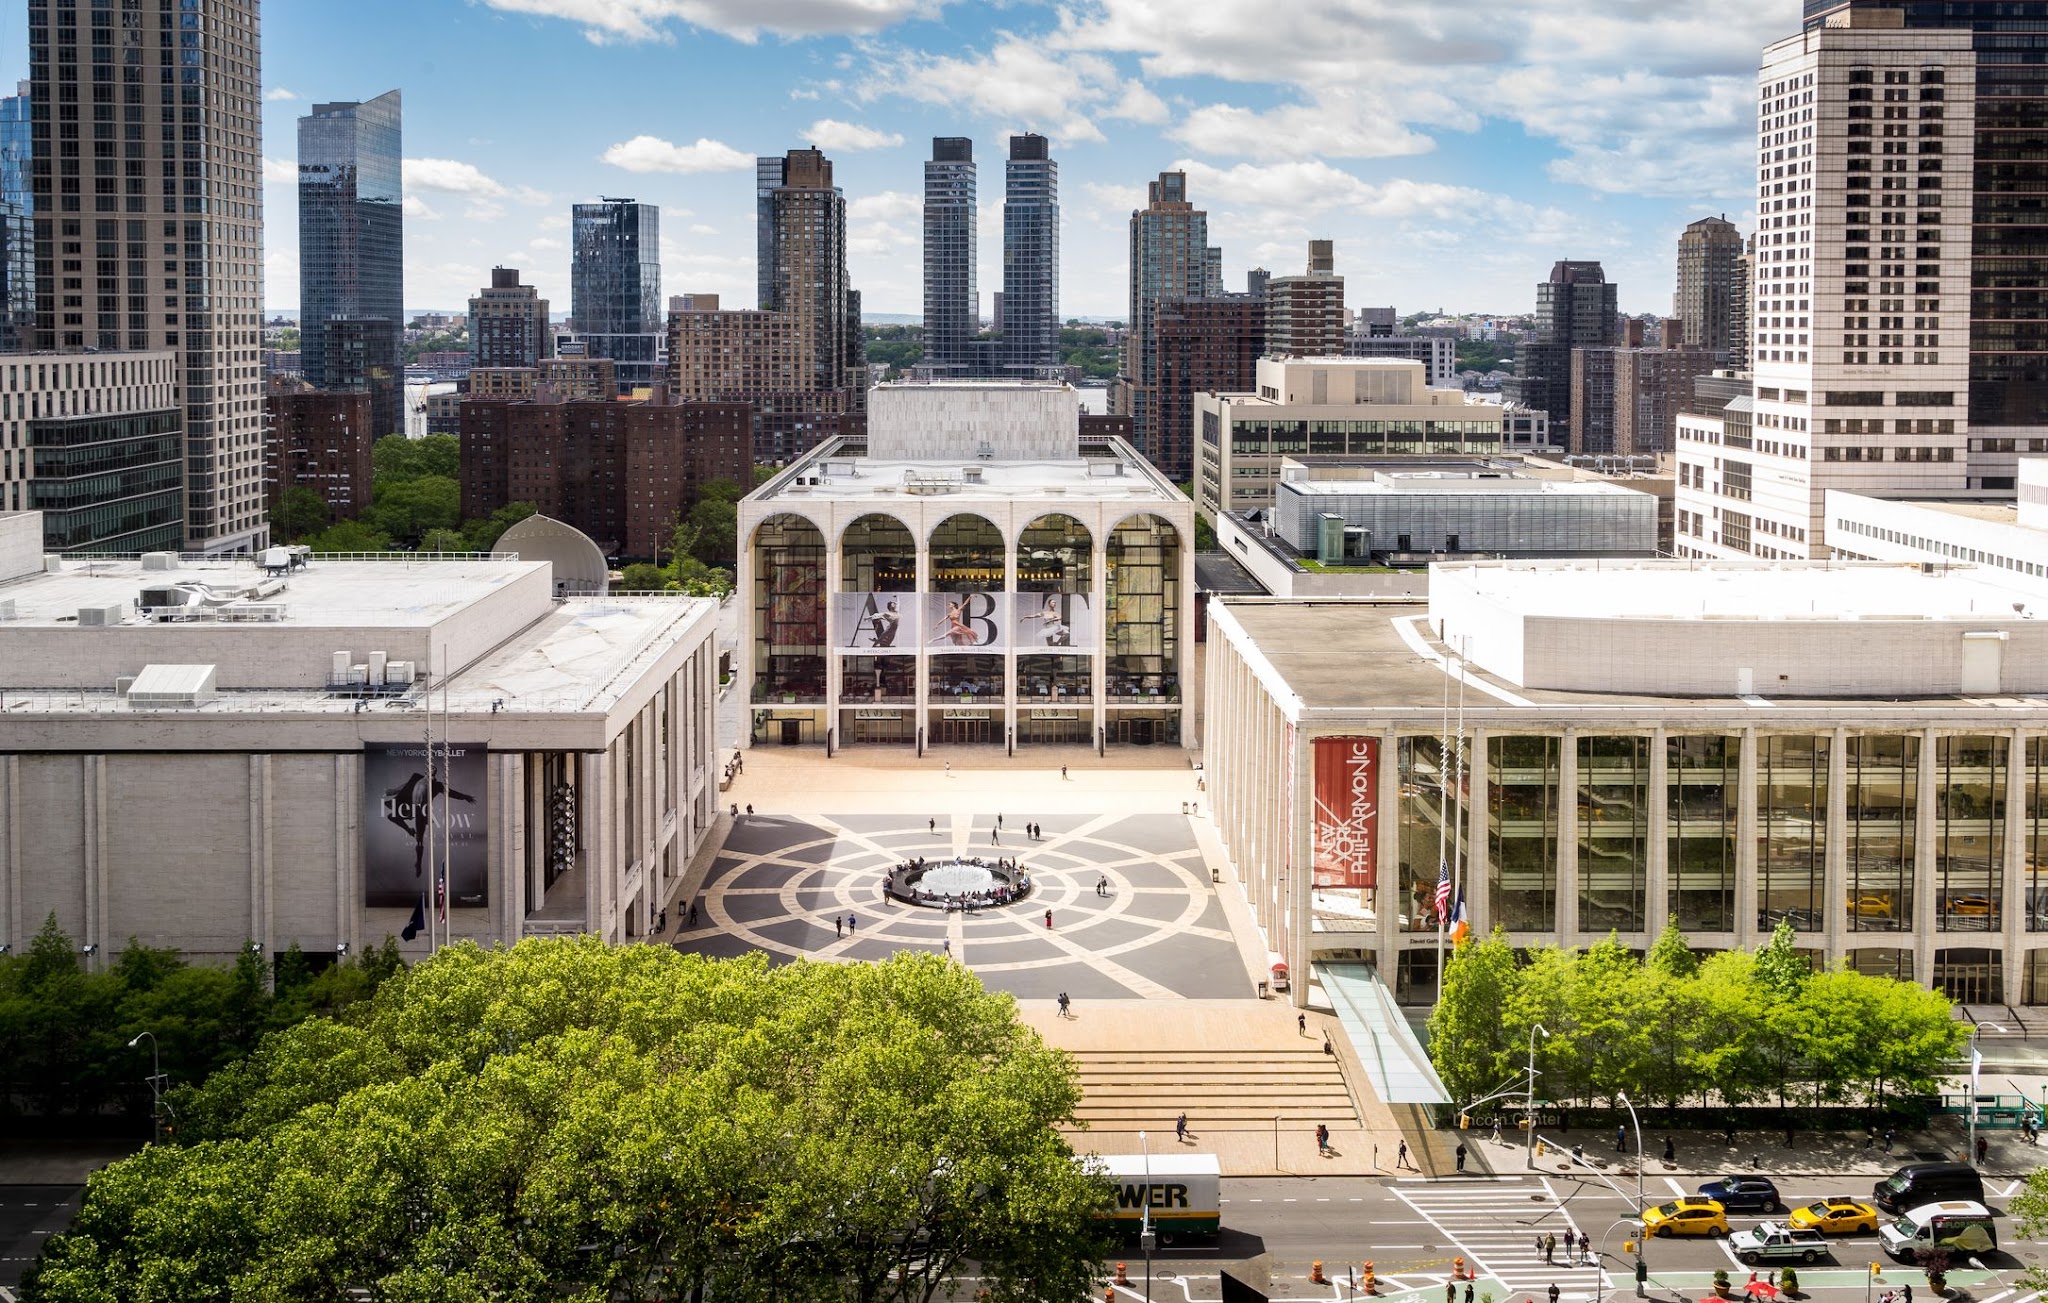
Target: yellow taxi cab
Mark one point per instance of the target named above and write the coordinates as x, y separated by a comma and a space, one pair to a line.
1686, 1217
1975, 906
1835, 1215
1870, 906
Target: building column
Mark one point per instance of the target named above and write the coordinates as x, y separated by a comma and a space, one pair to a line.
509, 846
1098, 594
2013, 900
1657, 849
1386, 845
922, 690
1925, 938
592, 825
1301, 855
1835, 864
10, 854
1567, 921
1478, 851
833, 563
1747, 831
750, 635
1184, 636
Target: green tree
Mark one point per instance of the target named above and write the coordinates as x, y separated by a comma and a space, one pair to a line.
1469, 1041
395, 459
641, 577
444, 540
407, 509
350, 536
482, 534
299, 512
570, 1119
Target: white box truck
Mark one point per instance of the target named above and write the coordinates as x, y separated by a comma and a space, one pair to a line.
1183, 1191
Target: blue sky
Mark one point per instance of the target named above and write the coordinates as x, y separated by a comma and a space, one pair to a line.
1452, 148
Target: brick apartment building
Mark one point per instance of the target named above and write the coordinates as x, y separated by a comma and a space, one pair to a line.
320, 440
622, 472
1210, 345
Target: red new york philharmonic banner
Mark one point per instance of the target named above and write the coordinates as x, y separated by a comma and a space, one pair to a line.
1347, 812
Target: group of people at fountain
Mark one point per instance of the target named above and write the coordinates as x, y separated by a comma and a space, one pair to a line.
1003, 881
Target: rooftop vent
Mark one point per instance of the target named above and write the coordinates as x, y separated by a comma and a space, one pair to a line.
99, 617
172, 687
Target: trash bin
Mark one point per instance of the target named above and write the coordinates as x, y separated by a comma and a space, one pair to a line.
1262, 990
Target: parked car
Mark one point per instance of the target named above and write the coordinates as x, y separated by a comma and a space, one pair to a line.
1774, 1242
1686, 1217
1743, 1194
1922, 1183
1870, 906
1835, 1215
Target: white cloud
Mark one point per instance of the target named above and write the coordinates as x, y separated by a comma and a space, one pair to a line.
699, 228
280, 93
418, 210
798, 93
1341, 124
450, 177
885, 205
653, 154
483, 210
744, 20
1019, 81
545, 243
277, 171
832, 134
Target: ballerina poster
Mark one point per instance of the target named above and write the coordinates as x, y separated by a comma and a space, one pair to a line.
1048, 620
965, 622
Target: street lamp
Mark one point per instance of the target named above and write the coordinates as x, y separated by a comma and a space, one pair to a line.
1637, 1123
1970, 1156
1529, 1109
1147, 1238
156, 1086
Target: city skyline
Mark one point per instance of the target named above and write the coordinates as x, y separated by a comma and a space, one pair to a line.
1494, 149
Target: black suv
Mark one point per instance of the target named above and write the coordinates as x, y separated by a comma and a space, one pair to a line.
1749, 1194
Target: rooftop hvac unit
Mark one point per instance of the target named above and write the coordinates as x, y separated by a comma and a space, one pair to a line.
7, 609
100, 617
159, 560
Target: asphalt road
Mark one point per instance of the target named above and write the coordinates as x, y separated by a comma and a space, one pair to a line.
29, 1214
1412, 1230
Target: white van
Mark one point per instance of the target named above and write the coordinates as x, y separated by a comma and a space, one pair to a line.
1956, 1225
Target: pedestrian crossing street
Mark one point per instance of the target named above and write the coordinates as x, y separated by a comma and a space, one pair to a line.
1496, 1226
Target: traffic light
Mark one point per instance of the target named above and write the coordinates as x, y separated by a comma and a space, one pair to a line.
1464, 1121
1628, 1246
1875, 1271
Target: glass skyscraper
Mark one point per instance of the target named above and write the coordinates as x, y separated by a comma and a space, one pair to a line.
352, 248
952, 308
1031, 256
615, 286
17, 226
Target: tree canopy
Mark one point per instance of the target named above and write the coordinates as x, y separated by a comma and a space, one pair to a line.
566, 1119
1736, 1026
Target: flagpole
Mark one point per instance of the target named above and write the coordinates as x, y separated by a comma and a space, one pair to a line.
1443, 820
1460, 845
428, 796
447, 794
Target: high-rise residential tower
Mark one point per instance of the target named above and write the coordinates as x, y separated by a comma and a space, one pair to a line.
952, 308
1575, 308
1709, 263
615, 286
1169, 260
1863, 349
1305, 314
352, 247
148, 170
17, 225
807, 270
508, 323
1031, 257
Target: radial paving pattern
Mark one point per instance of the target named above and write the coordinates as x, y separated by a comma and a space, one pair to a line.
782, 884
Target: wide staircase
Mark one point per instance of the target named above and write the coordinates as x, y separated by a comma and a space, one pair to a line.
1219, 1090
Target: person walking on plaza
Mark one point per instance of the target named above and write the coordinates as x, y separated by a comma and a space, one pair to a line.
1670, 1151
1063, 773
1539, 1244
850, 920
1550, 1251
932, 826
1180, 1128
948, 945
999, 820
1553, 1292
1620, 1139
1890, 1134
1048, 920
838, 927
1401, 1155
1301, 1023
1450, 1291
1983, 1148
1461, 1155
1468, 1292
1066, 1009
995, 836
1322, 1138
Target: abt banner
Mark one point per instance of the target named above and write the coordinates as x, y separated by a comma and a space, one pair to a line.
1345, 836
399, 817
1055, 620
875, 622
966, 621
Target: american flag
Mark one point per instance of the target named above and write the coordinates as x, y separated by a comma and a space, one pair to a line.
1443, 889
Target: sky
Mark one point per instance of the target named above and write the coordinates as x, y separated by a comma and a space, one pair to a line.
1453, 149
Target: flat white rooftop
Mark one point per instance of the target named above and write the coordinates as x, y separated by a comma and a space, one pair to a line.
1089, 478
1437, 485
401, 592
1680, 590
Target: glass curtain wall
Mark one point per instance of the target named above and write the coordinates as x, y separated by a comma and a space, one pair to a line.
1969, 835
789, 611
1614, 832
877, 555
1884, 785
1705, 800
1055, 690
1791, 815
1523, 776
1425, 829
2036, 874
1143, 593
